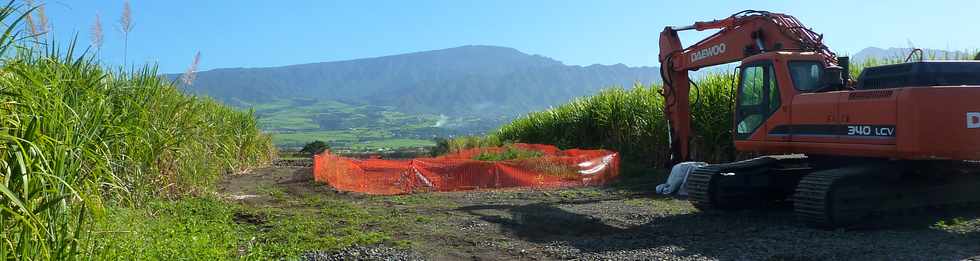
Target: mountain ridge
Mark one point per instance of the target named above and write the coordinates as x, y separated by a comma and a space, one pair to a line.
472, 79
410, 53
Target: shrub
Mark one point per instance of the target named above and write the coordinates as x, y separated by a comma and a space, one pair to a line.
441, 147
315, 147
470, 142
510, 153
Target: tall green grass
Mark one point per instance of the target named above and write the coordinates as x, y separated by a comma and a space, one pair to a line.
629, 121
76, 137
856, 68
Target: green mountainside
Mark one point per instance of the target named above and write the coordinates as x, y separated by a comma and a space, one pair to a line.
468, 80
295, 122
407, 99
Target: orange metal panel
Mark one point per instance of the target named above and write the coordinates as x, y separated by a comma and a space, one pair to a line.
815, 109
862, 110
943, 123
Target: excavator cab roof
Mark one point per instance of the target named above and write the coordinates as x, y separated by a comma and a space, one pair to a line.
793, 56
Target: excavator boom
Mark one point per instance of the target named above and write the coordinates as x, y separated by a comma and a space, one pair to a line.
741, 35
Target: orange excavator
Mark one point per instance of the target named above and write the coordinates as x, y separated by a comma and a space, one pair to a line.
900, 136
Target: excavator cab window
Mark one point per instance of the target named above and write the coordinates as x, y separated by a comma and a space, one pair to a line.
806, 75
758, 98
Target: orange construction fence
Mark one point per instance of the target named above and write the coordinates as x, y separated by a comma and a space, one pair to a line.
460, 171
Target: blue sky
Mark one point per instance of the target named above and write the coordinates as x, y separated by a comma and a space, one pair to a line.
259, 33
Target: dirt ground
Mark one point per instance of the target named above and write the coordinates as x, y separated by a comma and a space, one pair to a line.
626, 221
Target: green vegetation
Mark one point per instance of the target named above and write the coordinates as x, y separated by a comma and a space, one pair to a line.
79, 142
392, 143
312, 114
315, 147
441, 147
510, 153
292, 155
350, 139
296, 122
279, 221
206, 228
856, 68
166, 230
469, 142
626, 120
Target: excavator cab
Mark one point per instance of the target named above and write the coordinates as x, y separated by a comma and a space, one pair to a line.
767, 82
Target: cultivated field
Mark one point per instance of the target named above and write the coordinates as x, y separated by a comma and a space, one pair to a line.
620, 222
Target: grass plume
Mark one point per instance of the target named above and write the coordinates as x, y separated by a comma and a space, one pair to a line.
42, 20
97, 34
188, 77
29, 21
126, 26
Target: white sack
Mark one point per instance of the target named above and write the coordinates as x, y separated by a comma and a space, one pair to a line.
677, 181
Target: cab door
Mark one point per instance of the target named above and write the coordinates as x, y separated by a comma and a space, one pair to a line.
758, 98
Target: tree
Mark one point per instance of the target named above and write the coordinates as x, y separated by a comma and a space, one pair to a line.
315, 147
441, 148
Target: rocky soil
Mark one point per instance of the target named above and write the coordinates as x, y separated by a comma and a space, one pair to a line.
622, 222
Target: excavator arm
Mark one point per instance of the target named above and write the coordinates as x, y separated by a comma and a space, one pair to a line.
741, 35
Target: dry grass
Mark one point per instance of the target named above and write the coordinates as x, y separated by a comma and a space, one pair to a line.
97, 34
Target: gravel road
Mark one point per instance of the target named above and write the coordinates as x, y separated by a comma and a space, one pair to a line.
629, 222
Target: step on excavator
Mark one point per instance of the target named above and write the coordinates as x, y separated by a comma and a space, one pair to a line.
899, 137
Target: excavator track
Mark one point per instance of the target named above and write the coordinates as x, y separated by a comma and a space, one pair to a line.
845, 196
723, 186
699, 187
849, 196
817, 204
811, 201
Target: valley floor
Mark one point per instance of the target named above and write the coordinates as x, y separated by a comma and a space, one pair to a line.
622, 222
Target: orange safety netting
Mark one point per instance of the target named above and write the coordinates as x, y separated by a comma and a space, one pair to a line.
459, 171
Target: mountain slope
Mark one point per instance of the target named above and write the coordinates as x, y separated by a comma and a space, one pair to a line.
457, 81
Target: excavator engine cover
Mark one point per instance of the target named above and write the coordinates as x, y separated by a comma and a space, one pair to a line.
925, 73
